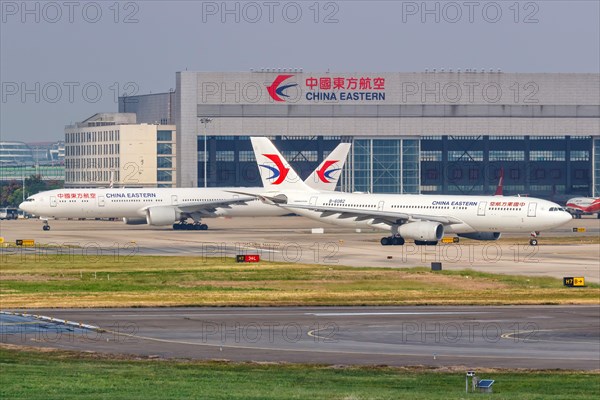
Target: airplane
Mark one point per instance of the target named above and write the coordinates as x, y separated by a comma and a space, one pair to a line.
166, 206
422, 218
500, 187
583, 205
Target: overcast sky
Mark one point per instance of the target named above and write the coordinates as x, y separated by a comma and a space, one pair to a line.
62, 61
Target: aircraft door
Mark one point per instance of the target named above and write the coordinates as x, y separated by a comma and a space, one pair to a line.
53, 201
174, 199
313, 201
531, 209
100, 201
380, 205
481, 208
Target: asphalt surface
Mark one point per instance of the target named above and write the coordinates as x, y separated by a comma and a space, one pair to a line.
537, 337
503, 337
289, 239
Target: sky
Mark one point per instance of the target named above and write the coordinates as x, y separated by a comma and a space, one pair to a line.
63, 61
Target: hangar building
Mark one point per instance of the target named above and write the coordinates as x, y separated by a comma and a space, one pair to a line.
425, 132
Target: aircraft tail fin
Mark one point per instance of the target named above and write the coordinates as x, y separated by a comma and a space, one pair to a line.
328, 173
499, 188
275, 172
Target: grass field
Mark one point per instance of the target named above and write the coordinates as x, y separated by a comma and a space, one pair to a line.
70, 375
106, 281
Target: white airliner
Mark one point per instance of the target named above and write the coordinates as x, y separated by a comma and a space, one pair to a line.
583, 205
422, 218
166, 206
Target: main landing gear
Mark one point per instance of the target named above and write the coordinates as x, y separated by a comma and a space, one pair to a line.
392, 241
46, 226
399, 241
184, 226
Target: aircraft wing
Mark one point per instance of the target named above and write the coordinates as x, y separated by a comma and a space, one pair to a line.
268, 198
386, 217
209, 207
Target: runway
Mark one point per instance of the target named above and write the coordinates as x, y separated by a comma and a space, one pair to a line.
537, 337
289, 239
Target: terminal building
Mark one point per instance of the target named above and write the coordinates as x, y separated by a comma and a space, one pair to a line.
19, 161
435, 132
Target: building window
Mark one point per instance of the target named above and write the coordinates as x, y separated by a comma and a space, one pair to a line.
460, 155
164, 136
386, 165
580, 155
507, 155
225, 155
164, 176
507, 137
514, 188
431, 155
246, 155
164, 162
164, 148
305, 155
543, 188
465, 137
545, 137
547, 155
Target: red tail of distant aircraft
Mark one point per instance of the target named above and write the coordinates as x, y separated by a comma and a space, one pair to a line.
499, 191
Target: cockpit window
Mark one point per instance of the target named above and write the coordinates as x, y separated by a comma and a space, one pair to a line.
557, 209
30, 199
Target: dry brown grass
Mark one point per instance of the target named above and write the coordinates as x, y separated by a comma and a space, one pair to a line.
184, 281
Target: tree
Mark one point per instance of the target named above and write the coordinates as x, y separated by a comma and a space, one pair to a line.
11, 192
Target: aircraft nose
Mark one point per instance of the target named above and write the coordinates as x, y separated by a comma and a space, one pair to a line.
24, 206
565, 217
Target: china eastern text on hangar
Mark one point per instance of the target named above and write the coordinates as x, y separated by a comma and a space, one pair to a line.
345, 96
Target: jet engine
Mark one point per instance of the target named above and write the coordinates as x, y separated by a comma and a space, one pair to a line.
135, 221
422, 231
481, 235
161, 215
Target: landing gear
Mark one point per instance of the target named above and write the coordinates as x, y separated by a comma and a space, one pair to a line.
392, 241
533, 241
184, 226
426, 242
46, 226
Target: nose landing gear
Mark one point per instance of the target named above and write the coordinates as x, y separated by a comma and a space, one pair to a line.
533, 241
46, 226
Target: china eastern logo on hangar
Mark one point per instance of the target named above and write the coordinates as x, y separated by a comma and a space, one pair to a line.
277, 88
331, 89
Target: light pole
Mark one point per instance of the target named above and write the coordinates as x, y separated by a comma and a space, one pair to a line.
205, 121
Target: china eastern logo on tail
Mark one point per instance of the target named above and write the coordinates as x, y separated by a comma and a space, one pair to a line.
277, 90
279, 171
324, 173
